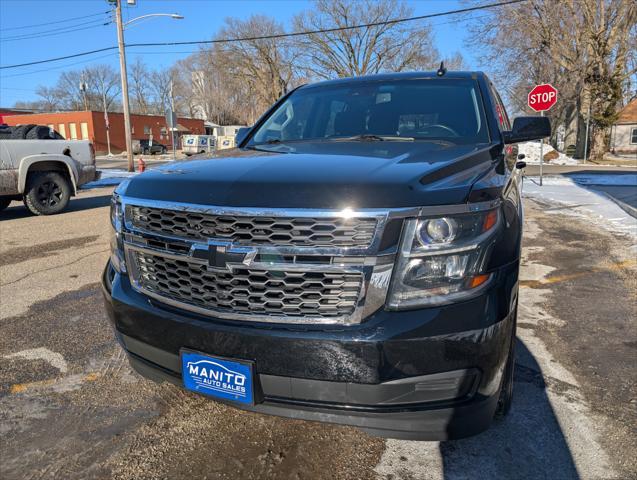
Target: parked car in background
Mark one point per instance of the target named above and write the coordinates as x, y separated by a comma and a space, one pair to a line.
355, 260
194, 144
45, 174
146, 148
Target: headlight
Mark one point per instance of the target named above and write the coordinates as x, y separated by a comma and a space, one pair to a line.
117, 220
437, 230
116, 213
441, 259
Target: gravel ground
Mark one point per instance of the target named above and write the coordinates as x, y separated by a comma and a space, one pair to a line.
70, 406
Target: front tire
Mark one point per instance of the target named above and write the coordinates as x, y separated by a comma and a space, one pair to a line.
47, 193
506, 390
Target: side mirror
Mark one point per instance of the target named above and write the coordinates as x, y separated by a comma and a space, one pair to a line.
528, 128
520, 165
241, 135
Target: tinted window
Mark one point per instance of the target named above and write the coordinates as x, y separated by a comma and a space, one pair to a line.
446, 109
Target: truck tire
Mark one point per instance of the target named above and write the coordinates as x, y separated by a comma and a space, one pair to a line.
506, 390
39, 132
20, 132
4, 203
47, 193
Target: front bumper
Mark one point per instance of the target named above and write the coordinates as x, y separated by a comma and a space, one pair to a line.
429, 374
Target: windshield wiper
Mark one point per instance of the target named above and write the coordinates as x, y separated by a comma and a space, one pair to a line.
367, 137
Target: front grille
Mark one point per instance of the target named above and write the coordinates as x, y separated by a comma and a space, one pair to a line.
248, 291
243, 230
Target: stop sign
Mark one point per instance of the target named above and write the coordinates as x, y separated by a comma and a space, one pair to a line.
542, 97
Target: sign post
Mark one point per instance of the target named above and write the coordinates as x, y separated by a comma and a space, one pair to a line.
171, 121
542, 98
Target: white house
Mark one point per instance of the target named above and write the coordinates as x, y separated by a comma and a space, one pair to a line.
623, 134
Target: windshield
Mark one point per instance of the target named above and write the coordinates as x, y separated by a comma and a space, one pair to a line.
399, 110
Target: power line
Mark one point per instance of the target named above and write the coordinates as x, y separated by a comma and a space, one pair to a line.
269, 37
98, 50
170, 52
20, 89
59, 67
54, 30
325, 30
59, 32
53, 23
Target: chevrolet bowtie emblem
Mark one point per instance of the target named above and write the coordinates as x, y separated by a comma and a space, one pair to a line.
220, 255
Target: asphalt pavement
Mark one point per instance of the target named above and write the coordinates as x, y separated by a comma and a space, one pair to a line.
71, 407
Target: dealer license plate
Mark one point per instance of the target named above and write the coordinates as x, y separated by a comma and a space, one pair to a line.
217, 377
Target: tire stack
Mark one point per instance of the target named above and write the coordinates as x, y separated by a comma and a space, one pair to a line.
28, 132
5, 132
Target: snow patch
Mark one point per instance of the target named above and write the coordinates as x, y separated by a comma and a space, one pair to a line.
531, 150
109, 178
566, 196
625, 179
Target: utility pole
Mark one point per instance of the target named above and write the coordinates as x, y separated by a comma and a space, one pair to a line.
83, 88
122, 67
172, 114
541, 153
107, 123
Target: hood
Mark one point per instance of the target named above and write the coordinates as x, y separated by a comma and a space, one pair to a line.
323, 175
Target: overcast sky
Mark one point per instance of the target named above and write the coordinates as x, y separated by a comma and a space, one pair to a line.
202, 20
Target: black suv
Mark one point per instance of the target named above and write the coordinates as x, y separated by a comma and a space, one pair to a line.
147, 149
354, 260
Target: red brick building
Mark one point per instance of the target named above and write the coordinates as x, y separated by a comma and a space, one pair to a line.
6, 112
91, 126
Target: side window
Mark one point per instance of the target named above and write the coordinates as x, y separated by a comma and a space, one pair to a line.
503, 118
273, 127
511, 151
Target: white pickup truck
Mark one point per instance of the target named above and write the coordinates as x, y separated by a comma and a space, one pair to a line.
44, 173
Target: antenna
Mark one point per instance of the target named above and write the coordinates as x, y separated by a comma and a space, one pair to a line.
442, 70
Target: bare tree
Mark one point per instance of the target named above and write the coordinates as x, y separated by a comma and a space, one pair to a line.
103, 85
455, 62
101, 80
49, 101
265, 66
67, 90
584, 47
367, 50
160, 90
207, 86
34, 106
139, 83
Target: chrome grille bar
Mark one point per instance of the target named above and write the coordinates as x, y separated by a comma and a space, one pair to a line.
247, 290
257, 230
